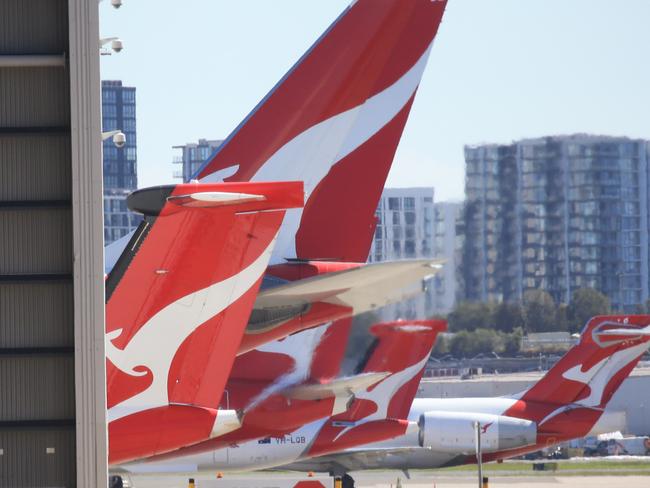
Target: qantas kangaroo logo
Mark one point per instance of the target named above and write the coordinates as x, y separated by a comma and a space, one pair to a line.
383, 392
598, 377
152, 349
335, 138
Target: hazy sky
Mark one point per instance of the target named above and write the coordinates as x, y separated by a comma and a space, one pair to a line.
499, 70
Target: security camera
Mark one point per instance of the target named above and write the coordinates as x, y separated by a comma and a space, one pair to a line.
116, 45
116, 3
119, 139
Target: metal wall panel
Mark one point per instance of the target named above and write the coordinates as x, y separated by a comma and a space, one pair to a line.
22, 157
37, 388
35, 241
23, 31
34, 97
37, 458
36, 315
90, 361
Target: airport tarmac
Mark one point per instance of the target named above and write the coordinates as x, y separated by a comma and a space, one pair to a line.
388, 479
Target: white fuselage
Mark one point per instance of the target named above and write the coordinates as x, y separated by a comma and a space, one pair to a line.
292, 448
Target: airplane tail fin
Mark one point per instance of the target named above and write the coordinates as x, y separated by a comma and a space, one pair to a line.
380, 411
334, 121
401, 350
177, 303
589, 374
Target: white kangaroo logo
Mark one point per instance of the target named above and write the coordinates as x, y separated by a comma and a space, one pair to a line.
156, 342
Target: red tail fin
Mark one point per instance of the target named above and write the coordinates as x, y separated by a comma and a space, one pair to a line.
380, 412
401, 349
177, 304
589, 374
334, 121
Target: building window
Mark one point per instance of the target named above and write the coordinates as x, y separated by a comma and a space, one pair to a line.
108, 96
409, 249
396, 218
409, 218
109, 110
393, 203
397, 249
409, 203
109, 123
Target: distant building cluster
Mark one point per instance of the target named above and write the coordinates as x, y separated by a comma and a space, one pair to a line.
120, 163
411, 226
557, 214
192, 156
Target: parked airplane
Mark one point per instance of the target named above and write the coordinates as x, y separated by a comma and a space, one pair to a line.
565, 404
177, 303
372, 411
334, 122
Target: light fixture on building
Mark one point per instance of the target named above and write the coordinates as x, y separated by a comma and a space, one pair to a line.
119, 138
116, 45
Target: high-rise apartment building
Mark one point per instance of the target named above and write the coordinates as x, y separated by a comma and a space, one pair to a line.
193, 155
445, 246
404, 225
120, 163
558, 214
405, 231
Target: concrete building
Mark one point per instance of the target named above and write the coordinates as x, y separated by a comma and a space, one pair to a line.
52, 377
445, 246
557, 213
120, 163
193, 155
405, 231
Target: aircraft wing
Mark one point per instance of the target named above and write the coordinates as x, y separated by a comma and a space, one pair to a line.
363, 288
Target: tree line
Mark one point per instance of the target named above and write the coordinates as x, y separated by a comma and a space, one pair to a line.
499, 327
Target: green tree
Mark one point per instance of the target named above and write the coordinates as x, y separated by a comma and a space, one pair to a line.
586, 303
470, 316
508, 316
539, 311
461, 343
512, 342
470, 343
561, 319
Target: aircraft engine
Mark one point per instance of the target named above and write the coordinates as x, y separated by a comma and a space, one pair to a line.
455, 431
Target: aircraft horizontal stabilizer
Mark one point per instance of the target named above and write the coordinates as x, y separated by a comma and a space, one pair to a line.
336, 387
363, 288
